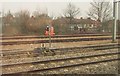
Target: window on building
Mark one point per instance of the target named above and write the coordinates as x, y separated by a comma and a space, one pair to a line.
72, 27
75, 27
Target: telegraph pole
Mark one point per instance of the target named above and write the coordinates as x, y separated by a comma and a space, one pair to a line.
114, 21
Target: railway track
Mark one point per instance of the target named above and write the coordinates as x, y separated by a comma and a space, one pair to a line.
56, 36
58, 63
39, 52
12, 40
56, 40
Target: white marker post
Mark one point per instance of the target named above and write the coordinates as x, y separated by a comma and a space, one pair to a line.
114, 20
119, 10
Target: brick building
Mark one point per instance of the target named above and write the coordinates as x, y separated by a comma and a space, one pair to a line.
79, 25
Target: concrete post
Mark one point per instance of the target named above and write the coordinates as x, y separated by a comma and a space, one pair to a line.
114, 20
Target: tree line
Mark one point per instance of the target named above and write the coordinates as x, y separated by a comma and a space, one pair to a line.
22, 23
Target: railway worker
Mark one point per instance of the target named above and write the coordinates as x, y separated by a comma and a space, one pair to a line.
52, 31
47, 31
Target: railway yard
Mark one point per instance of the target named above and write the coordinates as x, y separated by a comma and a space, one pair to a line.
69, 54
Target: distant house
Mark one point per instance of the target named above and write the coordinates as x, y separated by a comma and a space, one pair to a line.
85, 25
108, 26
79, 25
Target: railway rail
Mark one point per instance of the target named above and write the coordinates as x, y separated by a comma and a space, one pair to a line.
56, 40
56, 36
74, 65
35, 66
39, 51
45, 58
82, 60
12, 40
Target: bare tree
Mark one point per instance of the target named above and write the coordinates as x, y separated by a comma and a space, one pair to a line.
9, 24
100, 10
71, 11
21, 19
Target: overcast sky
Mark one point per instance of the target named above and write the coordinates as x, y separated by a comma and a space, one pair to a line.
53, 8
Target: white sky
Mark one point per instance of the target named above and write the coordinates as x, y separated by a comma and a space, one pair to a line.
53, 7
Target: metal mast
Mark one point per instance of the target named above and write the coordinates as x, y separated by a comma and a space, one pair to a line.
114, 21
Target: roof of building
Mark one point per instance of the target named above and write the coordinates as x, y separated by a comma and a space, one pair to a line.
63, 20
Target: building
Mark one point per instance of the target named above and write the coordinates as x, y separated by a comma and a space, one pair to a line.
85, 25
79, 25
108, 26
